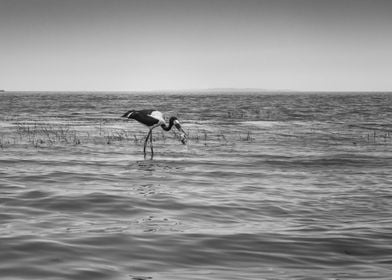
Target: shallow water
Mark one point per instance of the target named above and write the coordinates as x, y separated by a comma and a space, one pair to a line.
268, 187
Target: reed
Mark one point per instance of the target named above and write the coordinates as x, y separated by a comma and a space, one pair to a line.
378, 136
41, 134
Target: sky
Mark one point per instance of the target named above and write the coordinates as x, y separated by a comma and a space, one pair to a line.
149, 45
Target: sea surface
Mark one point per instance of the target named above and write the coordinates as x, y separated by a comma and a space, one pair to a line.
268, 186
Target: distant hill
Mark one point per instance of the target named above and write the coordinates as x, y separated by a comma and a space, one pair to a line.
220, 91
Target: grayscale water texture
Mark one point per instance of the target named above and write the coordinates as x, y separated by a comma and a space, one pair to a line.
269, 186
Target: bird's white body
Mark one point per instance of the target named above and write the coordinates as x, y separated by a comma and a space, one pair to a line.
159, 116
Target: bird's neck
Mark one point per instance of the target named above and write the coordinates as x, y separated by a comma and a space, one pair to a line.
167, 128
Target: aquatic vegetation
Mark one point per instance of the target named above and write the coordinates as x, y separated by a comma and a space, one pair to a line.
39, 134
43, 133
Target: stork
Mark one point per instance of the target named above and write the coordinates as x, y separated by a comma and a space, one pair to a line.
152, 119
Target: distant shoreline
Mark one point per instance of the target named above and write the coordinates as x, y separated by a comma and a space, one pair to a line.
201, 92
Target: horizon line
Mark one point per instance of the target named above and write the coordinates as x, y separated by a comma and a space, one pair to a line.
216, 90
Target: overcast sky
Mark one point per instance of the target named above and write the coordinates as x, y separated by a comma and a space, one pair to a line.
122, 45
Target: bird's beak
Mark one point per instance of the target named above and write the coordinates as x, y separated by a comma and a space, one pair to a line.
177, 125
183, 134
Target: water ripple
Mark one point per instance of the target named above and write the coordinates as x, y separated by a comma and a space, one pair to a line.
268, 187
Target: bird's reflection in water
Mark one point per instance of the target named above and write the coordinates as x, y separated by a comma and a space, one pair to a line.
154, 165
146, 165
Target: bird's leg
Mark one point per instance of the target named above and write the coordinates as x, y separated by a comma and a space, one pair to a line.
145, 143
152, 149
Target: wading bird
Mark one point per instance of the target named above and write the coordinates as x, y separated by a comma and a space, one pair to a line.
153, 119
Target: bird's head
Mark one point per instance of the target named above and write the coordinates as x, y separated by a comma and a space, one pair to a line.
174, 121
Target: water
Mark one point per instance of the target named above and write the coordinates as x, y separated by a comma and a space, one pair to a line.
268, 187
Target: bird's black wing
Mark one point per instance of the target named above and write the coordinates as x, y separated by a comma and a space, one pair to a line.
144, 117
131, 113
145, 111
